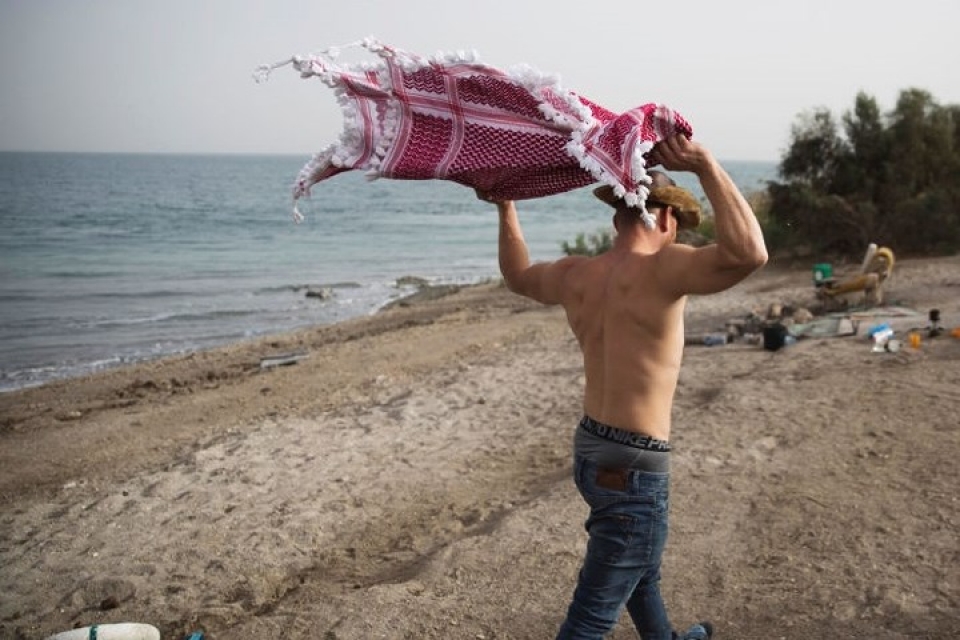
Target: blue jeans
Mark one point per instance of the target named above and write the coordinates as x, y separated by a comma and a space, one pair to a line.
628, 531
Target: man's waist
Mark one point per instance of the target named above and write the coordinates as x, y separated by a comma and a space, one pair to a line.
622, 436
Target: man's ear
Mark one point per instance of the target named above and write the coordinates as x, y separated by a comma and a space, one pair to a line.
663, 219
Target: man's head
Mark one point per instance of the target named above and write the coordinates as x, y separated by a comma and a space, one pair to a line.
664, 195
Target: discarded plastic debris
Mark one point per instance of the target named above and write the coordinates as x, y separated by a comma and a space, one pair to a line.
121, 631
715, 339
878, 328
881, 339
826, 327
281, 360
707, 339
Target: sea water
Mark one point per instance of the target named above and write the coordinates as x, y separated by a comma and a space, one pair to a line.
107, 259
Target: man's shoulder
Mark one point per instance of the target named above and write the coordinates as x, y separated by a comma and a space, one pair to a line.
677, 248
674, 258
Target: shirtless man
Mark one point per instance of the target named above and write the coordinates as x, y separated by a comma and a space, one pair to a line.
626, 309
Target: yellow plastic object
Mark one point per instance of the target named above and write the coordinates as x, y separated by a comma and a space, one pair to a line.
884, 268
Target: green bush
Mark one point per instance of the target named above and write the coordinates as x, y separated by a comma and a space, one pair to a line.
592, 245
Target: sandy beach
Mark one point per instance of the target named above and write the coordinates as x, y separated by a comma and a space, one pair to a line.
409, 477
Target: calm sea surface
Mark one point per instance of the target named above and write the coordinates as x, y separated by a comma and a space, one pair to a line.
107, 259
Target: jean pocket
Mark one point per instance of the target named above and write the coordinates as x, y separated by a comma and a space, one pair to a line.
612, 479
601, 485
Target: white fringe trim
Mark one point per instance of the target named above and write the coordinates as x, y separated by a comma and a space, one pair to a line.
635, 198
350, 144
579, 120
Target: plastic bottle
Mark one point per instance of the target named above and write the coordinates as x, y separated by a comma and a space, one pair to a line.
881, 338
715, 339
121, 631
877, 328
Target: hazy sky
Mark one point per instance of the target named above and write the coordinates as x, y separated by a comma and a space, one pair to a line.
175, 75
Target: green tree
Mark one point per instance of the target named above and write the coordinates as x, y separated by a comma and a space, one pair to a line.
864, 167
815, 151
893, 179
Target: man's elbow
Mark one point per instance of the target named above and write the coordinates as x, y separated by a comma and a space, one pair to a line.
759, 257
523, 285
745, 261
513, 283
738, 271
753, 261
512, 286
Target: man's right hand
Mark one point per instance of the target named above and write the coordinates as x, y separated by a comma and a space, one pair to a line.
679, 153
486, 197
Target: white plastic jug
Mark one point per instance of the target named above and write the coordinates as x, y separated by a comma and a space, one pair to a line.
120, 631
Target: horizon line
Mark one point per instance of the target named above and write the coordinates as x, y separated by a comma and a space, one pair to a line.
307, 154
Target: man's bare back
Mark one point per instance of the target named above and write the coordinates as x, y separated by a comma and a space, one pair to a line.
626, 306
631, 334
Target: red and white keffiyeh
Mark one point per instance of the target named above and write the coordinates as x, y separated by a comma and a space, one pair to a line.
510, 135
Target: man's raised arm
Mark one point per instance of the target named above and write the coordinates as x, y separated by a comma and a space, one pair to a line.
542, 281
739, 249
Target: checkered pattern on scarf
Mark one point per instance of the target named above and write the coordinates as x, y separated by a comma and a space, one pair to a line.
512, 136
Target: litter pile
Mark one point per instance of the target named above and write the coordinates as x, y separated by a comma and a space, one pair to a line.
783, 325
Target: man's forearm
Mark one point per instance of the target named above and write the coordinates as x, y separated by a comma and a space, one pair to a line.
513, 254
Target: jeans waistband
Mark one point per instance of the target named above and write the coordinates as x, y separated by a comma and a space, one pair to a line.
620, 436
